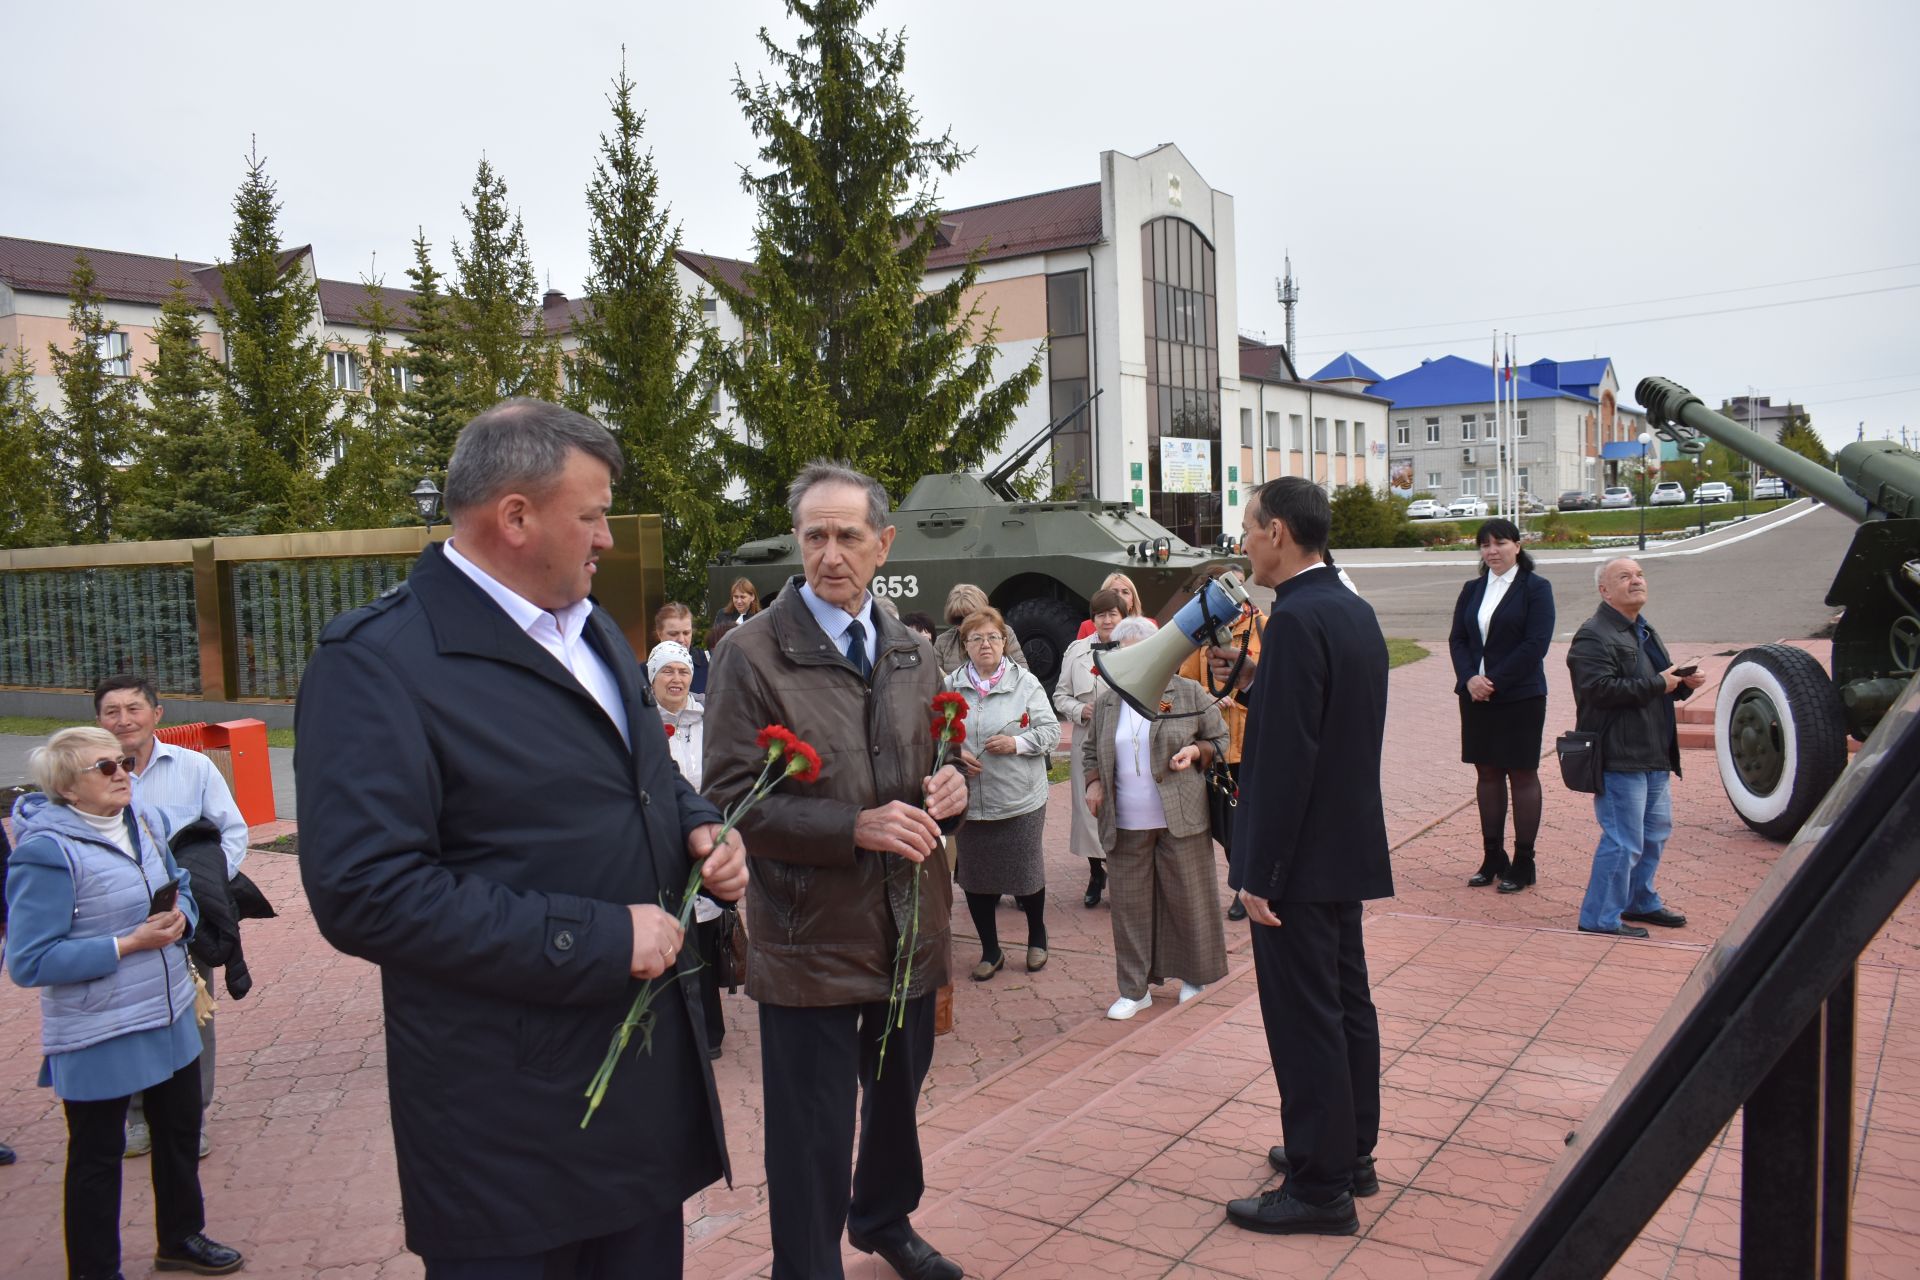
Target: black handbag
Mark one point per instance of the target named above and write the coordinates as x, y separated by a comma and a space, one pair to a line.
730, 952
1583, 759
1223, 797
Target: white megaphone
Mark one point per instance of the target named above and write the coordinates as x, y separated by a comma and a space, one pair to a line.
1140, 672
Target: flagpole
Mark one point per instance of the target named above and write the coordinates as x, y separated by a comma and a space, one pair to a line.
1495, 497
1513, 434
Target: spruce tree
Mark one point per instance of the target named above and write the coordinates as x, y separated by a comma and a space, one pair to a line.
847, 357
504, 345
433, 408
91, 435
278, 398
27, 514
190, 480
379, 459
1797, 434
646, 360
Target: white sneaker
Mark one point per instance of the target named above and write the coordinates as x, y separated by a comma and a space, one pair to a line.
1122, 1009
1188, 991
139, 1139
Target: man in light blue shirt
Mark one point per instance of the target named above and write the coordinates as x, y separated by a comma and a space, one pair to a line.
181, 787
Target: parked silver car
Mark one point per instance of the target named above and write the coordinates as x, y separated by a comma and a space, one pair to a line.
1425, 509
1714, 491
1668, 493
1616, 495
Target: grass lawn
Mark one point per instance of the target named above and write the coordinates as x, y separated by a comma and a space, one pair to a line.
1661, 519
42, 726
1401, 652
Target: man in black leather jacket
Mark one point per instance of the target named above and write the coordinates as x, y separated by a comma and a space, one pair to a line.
1625, 684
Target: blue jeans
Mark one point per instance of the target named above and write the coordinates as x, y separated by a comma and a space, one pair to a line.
1636, 817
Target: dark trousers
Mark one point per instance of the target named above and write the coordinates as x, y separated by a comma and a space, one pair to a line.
653, 1247
96, 1145
812, 1061
1324, 1038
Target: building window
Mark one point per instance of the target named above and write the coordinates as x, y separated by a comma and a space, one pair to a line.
1299, 427
1469, 429
1433, 481
1520, 424
1526, 482
1492, 479
344, 370
1068, 379
1319, 435
402, 378
1467, 485
1183, 371
709, 306
116, 356
1360, 439
1246, 428
1273, 429
1339, 435
570, 377
1403, 430
1433, 431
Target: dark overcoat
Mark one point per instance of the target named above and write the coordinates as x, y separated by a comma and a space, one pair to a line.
1310, 826
472, 822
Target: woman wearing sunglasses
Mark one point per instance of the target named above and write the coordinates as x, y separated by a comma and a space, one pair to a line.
97, 917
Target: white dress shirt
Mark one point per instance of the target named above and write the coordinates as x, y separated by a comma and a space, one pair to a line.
559, 632
1136, 796
184, 786
1496, 591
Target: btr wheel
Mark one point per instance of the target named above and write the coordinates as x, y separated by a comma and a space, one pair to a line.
1780, 737
1045, 627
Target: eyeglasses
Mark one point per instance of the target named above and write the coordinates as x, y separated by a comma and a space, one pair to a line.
986, 637
108, 767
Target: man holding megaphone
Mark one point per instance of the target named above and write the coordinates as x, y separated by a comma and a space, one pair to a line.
1309, 846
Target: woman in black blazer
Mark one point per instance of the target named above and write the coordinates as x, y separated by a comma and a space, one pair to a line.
1502, 625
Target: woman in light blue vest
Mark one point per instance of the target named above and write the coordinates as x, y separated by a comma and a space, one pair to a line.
116, 998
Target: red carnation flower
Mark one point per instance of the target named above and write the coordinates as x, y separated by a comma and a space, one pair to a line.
808, 761
955, 701
958, 733
1025, 720
669, 731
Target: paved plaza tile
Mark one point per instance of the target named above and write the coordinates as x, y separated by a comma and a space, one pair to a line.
1059, 1144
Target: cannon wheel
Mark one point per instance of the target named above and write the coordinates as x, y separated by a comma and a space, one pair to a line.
1046, 628
1780, 737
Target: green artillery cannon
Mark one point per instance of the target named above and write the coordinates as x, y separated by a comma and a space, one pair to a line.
1780, 724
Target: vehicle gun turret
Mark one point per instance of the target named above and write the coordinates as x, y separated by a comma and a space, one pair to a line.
1780, 722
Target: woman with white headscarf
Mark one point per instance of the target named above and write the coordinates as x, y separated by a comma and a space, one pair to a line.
670, 672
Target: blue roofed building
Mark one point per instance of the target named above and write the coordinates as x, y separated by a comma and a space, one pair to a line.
1443, 435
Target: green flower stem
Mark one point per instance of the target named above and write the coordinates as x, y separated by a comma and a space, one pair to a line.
909, 941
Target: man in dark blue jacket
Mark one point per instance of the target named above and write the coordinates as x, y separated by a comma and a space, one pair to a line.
489, 813
1310, 845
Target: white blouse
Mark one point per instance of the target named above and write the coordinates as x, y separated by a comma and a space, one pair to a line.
1496, 591
1136, 797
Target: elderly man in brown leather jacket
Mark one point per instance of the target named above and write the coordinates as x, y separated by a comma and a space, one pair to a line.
833, 882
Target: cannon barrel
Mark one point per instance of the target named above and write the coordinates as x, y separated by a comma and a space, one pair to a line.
1679, 415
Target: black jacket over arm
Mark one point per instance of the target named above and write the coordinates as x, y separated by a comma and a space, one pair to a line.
1518, 636
1310, 826
472, 822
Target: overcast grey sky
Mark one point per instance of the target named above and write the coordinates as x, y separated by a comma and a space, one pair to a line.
1436, 170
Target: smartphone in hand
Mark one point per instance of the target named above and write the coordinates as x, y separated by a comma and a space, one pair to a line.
1689, 669
165, 898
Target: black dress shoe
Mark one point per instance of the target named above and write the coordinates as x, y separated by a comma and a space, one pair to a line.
6, 1154
1238, 911
1365, 1181
1624, 931
1096, 882
199, 1255
1663, 917
1278, 1213
902, 1249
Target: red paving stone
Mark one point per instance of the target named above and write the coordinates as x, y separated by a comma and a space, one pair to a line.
1059, 1144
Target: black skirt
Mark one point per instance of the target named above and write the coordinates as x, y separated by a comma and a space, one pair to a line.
1505, 735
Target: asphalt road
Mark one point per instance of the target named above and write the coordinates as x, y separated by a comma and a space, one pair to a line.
1761, 581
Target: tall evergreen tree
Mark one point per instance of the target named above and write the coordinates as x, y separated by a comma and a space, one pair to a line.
846, 355
433, 408
496, 304
1797, 434
380, 458
92, 434
190, 480
278, 396
646, 360
27, 514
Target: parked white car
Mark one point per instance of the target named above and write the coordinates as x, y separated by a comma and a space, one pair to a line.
1770, 487
1425, 509
1668, 493
1714, 491
1616, 495
1466, 508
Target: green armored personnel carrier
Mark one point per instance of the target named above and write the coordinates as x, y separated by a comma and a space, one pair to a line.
1038, 562
1780, 722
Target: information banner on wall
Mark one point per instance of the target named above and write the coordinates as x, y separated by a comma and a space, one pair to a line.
1186, 466
1400, 475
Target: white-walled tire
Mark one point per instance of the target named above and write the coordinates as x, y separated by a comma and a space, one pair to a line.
1779, 737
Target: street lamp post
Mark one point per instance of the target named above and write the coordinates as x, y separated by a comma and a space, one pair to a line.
1645, 440
1705, 469
426, 500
